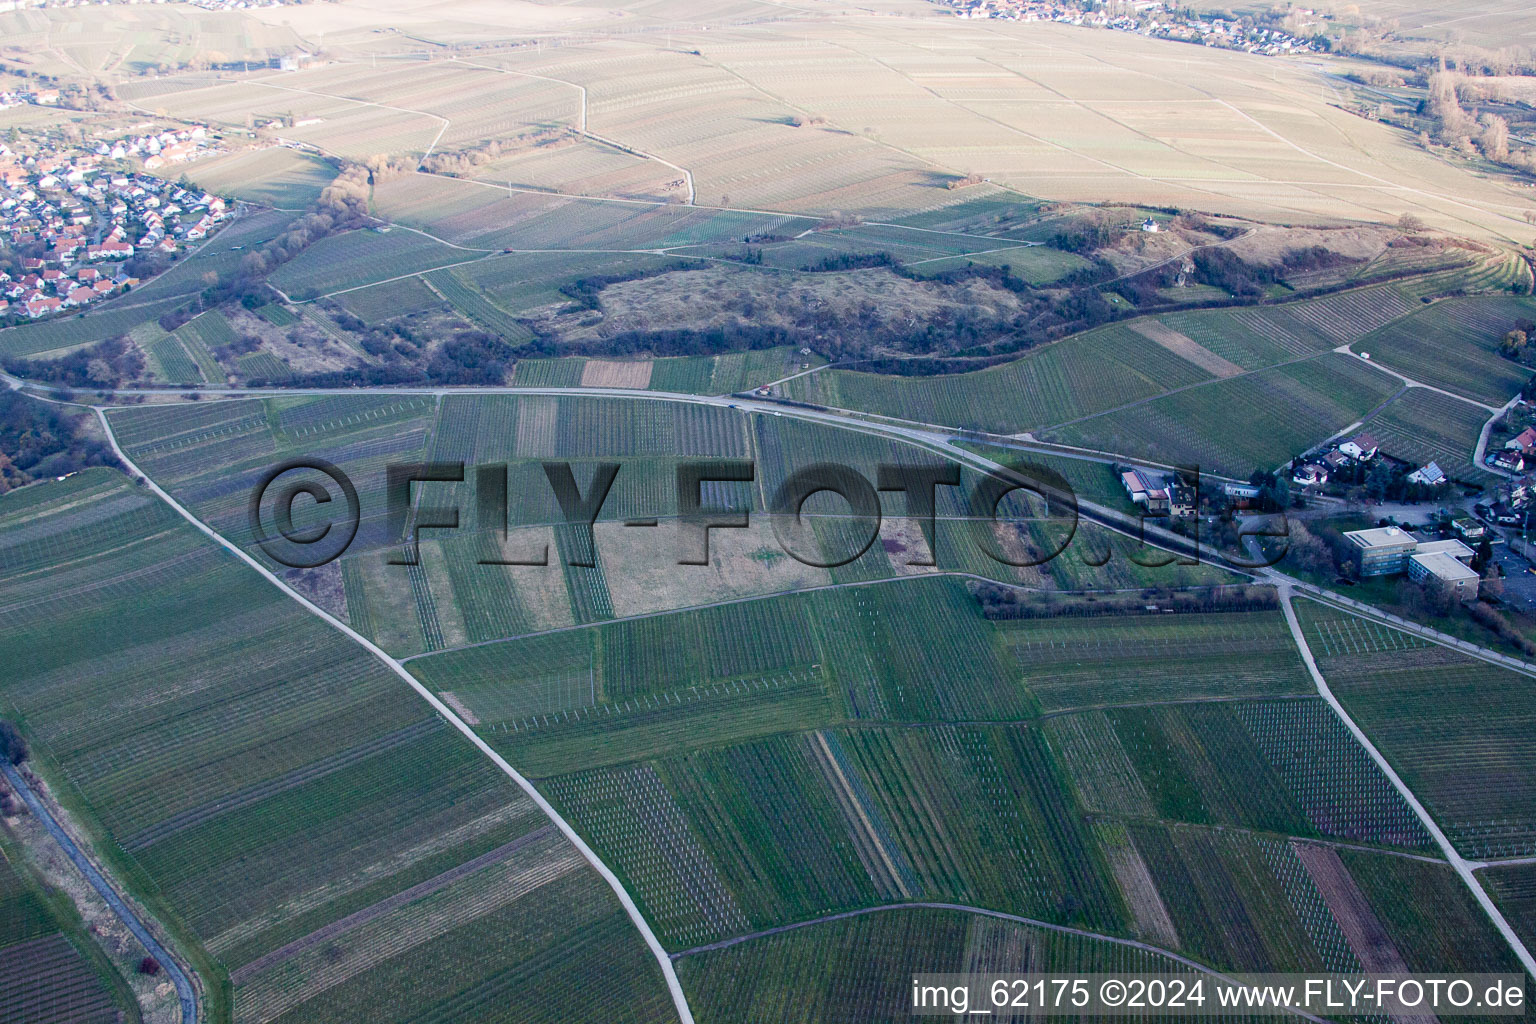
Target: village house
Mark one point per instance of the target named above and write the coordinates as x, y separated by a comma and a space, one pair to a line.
1361, 447
1151, 494
1428, 475
1310, 474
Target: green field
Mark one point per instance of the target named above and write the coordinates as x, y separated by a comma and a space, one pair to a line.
356, 258
917, 650
521, 281
1454, 345
1077, 376
396, 298
210, 455
1515, 890
85, 329
728, 372
1217, 426
277, 314
1423, 426
1458, 730
1110, 367
263, 368
277, 176
792, 827
254, 776
1153, 657
475, 307
1274, 766
860, 968
1433, 920
172, 362
200, 336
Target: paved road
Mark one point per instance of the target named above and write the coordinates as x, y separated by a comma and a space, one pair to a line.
184, 991
933, 438
1519, 579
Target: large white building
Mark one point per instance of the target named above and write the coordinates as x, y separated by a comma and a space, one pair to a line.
1388, 550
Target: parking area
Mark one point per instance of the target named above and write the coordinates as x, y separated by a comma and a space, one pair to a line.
1519, 579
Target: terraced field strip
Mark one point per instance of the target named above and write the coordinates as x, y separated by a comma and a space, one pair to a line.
172, 363
475, 306
247, 971
1186, 347
867, 838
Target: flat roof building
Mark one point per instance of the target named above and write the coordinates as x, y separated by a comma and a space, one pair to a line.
1382, 551
1455, 548
1444, 570
1387, 550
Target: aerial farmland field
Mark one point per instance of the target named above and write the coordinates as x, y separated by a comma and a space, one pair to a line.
193, 833
1417, 702
714, 511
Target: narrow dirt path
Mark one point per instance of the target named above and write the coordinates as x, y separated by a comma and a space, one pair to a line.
1462, 866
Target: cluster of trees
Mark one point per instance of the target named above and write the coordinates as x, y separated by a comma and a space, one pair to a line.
413, 352
102, 365
1090, 233
243, 344
13, 746
1000, 602
463, 162
39, 439
1221, 268
341, 206
1496, 622
1515, 345
1487, 133
1244, 280
966, 337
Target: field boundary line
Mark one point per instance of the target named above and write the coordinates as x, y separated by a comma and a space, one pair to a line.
580, 128
1507, 862
581, 117
1381, 182
1461, 865
980, 912
777, 594
679, 999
